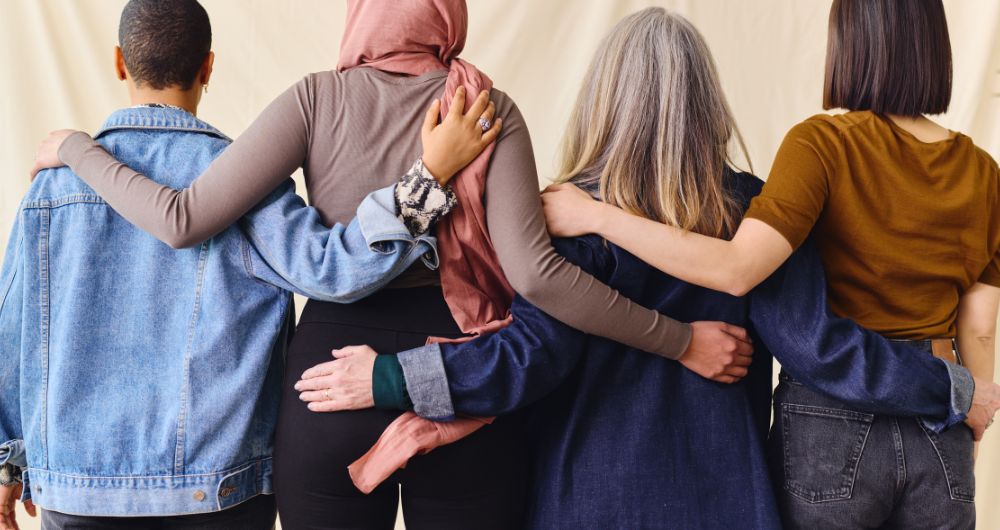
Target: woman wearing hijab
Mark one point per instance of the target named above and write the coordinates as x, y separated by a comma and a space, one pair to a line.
355, 130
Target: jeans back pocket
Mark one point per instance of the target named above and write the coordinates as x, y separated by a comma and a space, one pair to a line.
955, 449
822, 449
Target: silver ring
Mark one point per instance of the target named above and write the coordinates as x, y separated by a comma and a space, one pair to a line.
485, 124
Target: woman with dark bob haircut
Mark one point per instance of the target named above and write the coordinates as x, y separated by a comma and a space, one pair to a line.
906, 215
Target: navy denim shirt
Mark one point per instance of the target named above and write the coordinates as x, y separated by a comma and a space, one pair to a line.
138, 380
625, 439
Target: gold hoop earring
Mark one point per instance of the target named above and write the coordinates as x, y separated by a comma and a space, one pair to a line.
205, 87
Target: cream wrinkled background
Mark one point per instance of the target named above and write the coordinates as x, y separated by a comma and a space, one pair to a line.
55, 59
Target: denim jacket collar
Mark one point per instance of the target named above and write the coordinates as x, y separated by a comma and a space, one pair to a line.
162, 118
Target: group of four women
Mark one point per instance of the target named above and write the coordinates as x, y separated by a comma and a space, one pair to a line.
868, 265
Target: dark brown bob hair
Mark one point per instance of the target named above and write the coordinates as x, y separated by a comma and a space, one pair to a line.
889, 57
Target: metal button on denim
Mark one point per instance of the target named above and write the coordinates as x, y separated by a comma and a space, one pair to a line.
199, 495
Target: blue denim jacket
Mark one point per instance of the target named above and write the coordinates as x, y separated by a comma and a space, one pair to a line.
140, 380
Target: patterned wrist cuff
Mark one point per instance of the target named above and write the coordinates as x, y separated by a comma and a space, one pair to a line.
421, 201
10, 475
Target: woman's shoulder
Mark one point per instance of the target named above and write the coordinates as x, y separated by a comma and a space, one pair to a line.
821, 128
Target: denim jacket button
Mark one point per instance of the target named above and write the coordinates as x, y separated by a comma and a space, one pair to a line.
199, 495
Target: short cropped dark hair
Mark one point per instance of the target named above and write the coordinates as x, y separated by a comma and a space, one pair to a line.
889, 57
164, 42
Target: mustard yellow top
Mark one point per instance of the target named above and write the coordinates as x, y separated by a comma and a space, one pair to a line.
904, 227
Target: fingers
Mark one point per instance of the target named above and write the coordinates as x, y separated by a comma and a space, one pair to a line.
552, 188
743, 349
319, 370
431, 117
29, 508
316, 383
737, 347
478, 106
739, 372
736, 331
332, 405
457, 104
492, 134
315, 396
742, 360
350, 351
490, 111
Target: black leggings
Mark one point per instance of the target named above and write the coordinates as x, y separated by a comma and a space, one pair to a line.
477, 483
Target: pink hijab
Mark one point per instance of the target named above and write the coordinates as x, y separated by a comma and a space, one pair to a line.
414, 37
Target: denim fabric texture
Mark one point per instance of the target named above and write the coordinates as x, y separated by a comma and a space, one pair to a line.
841, 360
838, 467
427, 383
136, 379
258, 513
625, 439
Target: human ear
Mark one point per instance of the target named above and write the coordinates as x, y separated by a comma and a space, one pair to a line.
205, 74
120, 69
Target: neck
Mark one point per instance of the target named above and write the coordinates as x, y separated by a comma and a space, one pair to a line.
185, 99
922, 128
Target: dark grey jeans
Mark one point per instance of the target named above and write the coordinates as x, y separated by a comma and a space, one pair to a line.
834, 467
257, 513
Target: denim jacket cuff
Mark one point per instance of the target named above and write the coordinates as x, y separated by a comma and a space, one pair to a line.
962, 388
12, 452
427, 382
381, 227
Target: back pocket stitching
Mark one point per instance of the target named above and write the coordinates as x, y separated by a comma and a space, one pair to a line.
957, 493
846, 491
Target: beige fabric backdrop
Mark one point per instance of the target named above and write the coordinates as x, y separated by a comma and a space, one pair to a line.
56, 71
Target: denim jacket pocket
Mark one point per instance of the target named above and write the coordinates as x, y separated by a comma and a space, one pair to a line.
822, 449
954, 448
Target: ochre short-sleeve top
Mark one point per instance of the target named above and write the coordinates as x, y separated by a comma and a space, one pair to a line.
904, 227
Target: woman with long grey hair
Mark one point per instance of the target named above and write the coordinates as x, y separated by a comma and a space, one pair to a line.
623, 438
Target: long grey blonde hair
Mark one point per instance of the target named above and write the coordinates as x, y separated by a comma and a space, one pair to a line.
651, 127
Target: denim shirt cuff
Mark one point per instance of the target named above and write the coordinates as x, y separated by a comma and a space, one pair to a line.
427, 382
962, 388
381, 227
12, 452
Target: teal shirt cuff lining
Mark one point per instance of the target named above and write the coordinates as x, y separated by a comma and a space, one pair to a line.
389, 384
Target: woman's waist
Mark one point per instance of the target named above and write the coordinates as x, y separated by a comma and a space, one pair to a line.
415, 309
917, 314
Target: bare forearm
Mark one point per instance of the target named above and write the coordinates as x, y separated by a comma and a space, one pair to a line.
978, 355
977, 329
734, 267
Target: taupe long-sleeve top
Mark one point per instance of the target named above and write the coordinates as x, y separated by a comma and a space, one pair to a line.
354, 132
